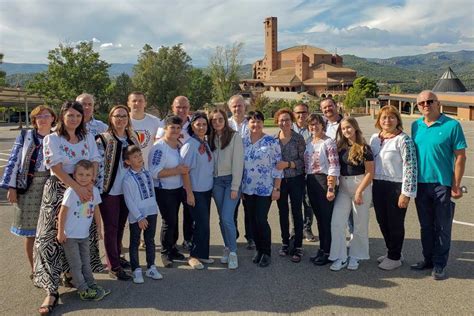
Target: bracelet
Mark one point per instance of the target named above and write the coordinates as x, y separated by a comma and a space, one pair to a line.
289, 164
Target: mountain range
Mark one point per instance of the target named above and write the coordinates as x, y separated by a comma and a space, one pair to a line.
410, 73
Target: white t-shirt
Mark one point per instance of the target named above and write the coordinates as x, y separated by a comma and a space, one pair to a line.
331, 129
79, 215
146, 130
162, 156
57, 149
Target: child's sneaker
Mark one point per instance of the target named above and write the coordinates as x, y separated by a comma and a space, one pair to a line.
91, 295
138, 276
99, 288
153, 273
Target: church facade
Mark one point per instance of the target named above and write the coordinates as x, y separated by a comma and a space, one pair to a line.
301, 68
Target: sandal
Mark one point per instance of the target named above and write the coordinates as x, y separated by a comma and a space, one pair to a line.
296, 258
48, 309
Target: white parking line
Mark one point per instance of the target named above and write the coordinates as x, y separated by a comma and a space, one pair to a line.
5, 154
463, 223
1, 159
469, 177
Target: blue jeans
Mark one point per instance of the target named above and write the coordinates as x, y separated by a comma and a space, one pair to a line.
201, 233
148, 236
226, 209
435, 213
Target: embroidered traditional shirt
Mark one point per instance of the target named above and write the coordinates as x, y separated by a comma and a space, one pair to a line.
19, 161
139, 195
58, 150
260, 161
322, 157
96, 127
395, 161
162, 156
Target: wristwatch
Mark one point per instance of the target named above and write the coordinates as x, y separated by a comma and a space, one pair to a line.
331, 190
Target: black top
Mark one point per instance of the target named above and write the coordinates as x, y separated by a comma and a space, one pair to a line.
347, 168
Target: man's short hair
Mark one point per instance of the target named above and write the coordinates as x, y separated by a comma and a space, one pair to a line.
137, 93
83, 96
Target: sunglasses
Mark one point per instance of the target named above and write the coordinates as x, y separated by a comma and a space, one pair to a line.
427, 102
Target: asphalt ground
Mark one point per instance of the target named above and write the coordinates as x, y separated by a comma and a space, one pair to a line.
282, 288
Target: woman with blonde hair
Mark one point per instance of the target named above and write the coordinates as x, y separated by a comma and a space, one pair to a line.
357, 171
395, 182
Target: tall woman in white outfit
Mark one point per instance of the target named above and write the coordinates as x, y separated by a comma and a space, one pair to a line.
355, 192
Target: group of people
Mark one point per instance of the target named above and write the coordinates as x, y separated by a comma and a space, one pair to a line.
90, 175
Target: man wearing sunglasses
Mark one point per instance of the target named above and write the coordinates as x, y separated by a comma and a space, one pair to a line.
441, 154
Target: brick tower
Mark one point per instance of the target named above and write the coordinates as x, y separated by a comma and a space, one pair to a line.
271, 44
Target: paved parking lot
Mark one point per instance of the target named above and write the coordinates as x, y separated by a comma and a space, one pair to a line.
284, 287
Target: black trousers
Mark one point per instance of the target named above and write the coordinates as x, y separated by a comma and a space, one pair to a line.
308, 212
294, 189
390, 217
168, 202
258, 208
248, 226
317, 187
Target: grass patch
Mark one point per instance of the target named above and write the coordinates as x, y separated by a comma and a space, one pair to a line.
269, 123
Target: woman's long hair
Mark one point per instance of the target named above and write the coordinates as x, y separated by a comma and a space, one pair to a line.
81, 130
227, 132
357, 149
128, 128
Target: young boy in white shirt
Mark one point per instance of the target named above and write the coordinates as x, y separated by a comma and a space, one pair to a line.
75, 219
139, 194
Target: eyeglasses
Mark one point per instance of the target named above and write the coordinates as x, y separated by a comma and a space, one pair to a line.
284, 121
43, 116
218, 120
120, 117
427, 102
301, 112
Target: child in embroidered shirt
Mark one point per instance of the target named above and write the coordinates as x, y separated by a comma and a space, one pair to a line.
75, 219
140, 199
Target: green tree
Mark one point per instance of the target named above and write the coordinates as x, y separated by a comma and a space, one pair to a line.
362, 88
2, 73
396, 89
200, 89
72, 70
119, 89
261, 102
162, 75
224, 67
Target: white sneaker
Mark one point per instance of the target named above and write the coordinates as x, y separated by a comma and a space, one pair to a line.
207, 261
338, 265
233, 261
138, 276
382, 258
153, 273
225, 256
389, 264
353, 264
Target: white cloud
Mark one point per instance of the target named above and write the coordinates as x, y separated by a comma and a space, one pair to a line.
363, 27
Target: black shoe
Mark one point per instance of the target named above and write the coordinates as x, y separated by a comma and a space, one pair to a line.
439, 273
258, 256
316, 256
67, 281
177, 256
322, 260
422, 265
237, 234
167, 261
187, 245
250, 244
284, 251
124, 263
265, 261
120, 274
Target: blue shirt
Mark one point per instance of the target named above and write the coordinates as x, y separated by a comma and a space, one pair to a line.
435, 146
201, 166
260, 161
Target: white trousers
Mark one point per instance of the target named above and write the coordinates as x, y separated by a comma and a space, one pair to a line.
359, 245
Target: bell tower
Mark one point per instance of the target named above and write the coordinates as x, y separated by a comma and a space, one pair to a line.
271, 44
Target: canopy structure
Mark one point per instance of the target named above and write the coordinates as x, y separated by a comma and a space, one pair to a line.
16, 97
449, 82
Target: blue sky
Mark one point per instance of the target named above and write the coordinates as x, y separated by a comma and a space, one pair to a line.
119, 28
